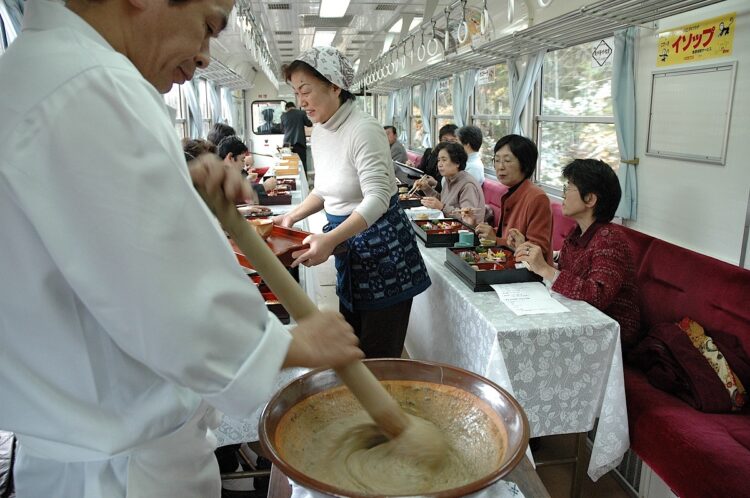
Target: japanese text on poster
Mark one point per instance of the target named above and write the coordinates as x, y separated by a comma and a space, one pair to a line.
696, 42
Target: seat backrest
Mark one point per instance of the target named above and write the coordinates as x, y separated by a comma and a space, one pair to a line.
414, 157
493, 191
561, 225
675, 282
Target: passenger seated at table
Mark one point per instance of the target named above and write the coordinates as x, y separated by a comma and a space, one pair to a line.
525, 212
428, 164
196, 147
233, 152
461, 192
595, 264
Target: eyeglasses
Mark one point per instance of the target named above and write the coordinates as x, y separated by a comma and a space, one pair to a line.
567, 187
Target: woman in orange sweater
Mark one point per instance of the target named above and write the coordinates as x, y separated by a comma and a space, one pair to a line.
525, 212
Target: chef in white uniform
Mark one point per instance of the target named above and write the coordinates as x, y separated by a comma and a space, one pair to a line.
125, 321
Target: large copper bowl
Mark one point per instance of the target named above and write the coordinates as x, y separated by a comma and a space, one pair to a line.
494, 421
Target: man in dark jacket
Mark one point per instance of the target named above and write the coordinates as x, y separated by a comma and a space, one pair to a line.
293, 121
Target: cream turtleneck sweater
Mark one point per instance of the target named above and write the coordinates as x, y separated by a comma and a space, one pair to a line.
353, 167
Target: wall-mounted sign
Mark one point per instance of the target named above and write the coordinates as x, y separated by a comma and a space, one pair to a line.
601, 55
698, 41
486, 76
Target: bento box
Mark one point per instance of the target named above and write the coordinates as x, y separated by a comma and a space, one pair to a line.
480, 267
275, 198
409, 201
442, 232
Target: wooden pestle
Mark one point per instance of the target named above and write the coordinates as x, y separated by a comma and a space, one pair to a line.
376, 401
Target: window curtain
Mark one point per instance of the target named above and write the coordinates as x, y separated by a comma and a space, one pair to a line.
194, 108
402, 114
463, 89
14, 8
623, 97
522, 90
426, 103
228, 99
390, 109
213, 97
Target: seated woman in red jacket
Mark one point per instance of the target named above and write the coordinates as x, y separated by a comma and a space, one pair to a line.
525, 212
595, 263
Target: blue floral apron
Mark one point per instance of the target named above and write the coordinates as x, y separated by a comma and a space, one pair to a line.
382, 265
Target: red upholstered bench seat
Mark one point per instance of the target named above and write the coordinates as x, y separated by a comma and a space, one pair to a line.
414, 157
493, 190
696, 454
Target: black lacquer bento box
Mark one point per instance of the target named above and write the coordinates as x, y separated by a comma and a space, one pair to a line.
441, 232
480, 267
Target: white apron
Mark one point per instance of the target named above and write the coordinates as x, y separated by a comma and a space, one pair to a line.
178, 465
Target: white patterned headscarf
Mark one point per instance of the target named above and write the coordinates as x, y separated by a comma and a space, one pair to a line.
331, 63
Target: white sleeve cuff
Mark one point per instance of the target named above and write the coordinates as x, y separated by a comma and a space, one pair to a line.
254, 380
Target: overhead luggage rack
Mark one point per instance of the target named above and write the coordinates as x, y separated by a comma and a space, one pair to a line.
590, 22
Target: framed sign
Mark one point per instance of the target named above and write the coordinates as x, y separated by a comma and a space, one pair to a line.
690, 113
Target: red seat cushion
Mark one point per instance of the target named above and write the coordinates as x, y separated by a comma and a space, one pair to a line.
697, 454
414, 157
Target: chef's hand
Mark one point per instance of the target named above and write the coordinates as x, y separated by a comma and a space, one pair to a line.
485, 231
321, 248
515, 238
210, 174
322, 340
284, 220
432, 202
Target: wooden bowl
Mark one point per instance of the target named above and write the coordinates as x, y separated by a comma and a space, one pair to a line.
262, 226
479, 419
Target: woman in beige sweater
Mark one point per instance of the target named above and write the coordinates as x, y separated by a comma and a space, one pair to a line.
461, 191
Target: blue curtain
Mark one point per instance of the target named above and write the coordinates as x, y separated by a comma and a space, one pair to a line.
426, 102
194, 108
226, 97
522, 91
15, 11
402, 114
213, 97
463, 89
623, 96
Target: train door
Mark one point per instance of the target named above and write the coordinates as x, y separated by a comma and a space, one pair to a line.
266, 133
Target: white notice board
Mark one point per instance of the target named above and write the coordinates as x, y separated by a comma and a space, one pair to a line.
690, 113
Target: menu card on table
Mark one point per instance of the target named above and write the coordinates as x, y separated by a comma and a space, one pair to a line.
528, 298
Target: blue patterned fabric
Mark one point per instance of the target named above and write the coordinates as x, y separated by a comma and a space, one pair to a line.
382, 265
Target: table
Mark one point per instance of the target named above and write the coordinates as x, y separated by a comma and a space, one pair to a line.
522, 482
564, 369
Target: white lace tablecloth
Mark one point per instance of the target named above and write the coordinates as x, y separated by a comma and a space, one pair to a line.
565, 369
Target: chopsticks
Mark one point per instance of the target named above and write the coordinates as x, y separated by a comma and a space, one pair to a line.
414, 188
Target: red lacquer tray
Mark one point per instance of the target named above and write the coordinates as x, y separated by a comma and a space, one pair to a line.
282, 241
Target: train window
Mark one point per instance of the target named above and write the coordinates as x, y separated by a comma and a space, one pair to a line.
492, 108
416, 132
576, 119
176, 100
444, 106
267, 116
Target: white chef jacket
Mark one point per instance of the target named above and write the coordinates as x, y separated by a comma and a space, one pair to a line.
123, 312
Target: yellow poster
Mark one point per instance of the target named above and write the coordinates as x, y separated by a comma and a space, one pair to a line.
696, 42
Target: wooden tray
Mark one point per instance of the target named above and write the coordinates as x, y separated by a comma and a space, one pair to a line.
441, 237
272, 302
282, 241
481, 279
279, 198
286, 170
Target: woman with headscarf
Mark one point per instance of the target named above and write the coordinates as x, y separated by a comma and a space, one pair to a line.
382, 269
